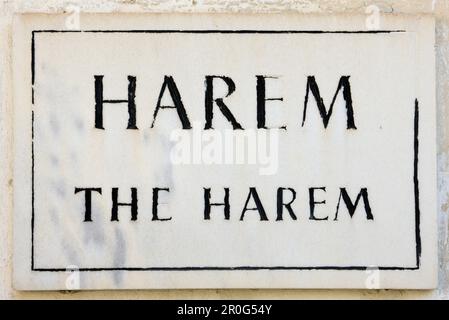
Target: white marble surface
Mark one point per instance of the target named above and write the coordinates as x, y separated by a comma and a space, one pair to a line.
387, 73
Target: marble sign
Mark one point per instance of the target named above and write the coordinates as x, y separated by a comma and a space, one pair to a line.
224, 151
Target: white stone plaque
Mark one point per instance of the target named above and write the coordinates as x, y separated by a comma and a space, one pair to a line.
224, 151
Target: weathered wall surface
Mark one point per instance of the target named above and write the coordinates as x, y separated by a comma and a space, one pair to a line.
438, 8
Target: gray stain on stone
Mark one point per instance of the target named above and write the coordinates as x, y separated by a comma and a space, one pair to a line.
54, 160
59, 188
119, 255
54, 216
79, 125
54, 125
71, 253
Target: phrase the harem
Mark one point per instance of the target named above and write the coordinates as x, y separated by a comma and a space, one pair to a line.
285, 197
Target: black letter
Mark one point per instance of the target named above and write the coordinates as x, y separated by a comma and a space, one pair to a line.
178, 105
325, 115
207, 204
312, 203
351, 207
155, 203
209, 102
259, 207
99, 102
88, 201
261, 98
281, 204
116, 204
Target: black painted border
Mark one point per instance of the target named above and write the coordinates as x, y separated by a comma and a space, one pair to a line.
190, 268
